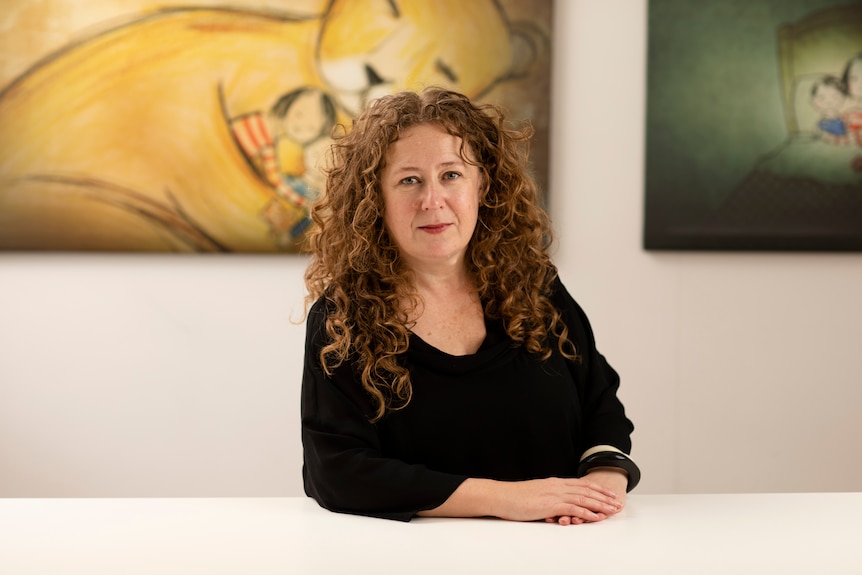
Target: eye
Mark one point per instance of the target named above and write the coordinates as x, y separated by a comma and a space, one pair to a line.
410, 180
451, 176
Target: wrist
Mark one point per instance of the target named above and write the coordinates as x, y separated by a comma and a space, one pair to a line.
614, 460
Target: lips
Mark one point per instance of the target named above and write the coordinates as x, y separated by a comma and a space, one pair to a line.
434, 228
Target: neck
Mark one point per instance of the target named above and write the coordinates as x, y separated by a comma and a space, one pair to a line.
272, 125
443, 281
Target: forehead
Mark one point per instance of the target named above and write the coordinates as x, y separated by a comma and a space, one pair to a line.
308, 97
425, 138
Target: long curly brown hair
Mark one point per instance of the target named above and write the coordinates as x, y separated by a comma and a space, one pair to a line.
357, 268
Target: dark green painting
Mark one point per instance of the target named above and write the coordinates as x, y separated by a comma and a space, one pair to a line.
754, 125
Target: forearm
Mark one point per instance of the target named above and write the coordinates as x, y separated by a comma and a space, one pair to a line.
473, 498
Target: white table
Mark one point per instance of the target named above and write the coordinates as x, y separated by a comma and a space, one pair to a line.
663, 534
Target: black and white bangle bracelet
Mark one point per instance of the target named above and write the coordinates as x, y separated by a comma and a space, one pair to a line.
616, 459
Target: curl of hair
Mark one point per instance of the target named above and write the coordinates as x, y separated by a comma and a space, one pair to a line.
356, 266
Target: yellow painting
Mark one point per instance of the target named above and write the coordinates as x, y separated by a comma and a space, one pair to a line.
139, 126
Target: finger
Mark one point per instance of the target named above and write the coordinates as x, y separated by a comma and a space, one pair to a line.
566, 520
606, 491
591, 490
600, 505
602, 495
584, 514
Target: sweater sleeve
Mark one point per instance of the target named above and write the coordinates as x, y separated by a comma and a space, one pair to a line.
605, 421
344, 469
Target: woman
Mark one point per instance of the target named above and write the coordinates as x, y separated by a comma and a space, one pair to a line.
447, 370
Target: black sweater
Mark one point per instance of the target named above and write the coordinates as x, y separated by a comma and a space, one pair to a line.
500, 414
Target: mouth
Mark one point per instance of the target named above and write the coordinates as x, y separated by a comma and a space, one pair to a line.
434, 228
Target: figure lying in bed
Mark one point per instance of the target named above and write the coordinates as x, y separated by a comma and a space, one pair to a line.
839, 102
828, 96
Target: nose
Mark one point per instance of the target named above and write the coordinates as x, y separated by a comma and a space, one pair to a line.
432, 196
372, 76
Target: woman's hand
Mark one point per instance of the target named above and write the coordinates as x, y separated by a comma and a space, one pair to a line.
572, 500
611, 478
568, 500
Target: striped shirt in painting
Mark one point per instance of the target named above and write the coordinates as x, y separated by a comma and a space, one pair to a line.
256, 142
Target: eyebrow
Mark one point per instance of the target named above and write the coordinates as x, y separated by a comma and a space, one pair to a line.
397, 169
394, 7
446, 70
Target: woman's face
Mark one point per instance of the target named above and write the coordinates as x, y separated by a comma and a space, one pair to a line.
828, 98
430, 197
305, 120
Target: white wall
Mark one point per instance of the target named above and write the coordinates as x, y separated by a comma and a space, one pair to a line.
155, 375
150, 375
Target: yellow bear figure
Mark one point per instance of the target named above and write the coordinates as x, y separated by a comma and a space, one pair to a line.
192, 129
